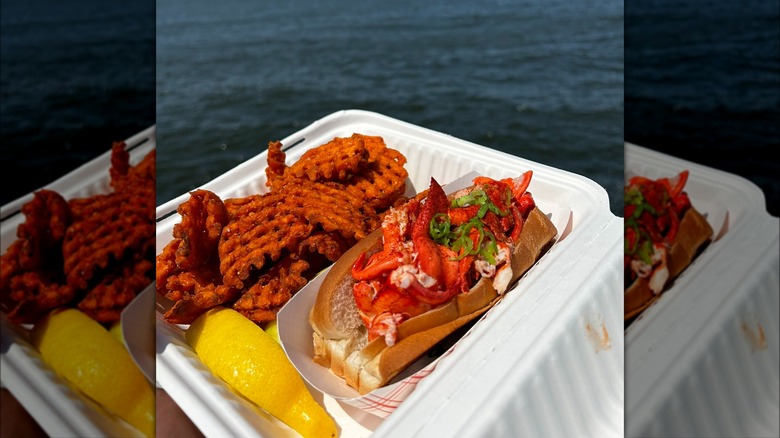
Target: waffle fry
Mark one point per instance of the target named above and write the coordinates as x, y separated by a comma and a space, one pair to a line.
273, 243
94, 253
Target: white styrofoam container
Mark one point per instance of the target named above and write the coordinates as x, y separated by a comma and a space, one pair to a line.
59, 409
704, 359
546, 361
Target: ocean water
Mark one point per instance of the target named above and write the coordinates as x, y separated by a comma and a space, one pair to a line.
541, 80
702, 82
75, 77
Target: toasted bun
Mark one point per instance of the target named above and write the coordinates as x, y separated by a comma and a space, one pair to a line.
341, 339
693, 235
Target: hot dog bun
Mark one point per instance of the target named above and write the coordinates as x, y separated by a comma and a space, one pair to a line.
694, 233
341, 339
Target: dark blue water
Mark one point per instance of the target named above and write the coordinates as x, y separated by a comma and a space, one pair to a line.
702, 82
75, 77
541, 80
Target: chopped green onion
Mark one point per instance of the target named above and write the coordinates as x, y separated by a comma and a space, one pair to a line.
439, 227
645, 252
459, 239
483, 209
490, 250
639, 210
494, 208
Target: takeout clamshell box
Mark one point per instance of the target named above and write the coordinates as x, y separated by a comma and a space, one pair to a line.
55, 405
703, 360
547, 360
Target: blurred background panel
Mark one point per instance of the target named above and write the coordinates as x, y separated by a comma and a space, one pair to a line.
74, 77
539, 80
702, 83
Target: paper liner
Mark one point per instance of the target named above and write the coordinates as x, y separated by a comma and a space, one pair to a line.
296, 336
138, 325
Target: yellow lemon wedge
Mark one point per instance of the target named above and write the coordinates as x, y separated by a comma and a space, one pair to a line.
239, 352
87, 355
273, 330
116, 332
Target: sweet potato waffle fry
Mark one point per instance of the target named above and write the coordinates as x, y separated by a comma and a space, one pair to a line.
382, 182
270, 245
337, 160
95, 253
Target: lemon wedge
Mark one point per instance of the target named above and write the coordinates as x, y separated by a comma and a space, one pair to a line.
243, 355
273, 330
116, 332
84, 353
